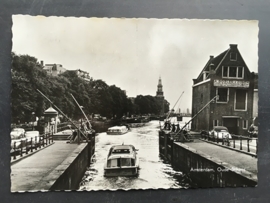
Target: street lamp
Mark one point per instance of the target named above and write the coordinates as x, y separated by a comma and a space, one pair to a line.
33, 120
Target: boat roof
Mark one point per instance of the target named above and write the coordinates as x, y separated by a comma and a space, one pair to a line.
115, 156
123, 151
117, 127
121, 147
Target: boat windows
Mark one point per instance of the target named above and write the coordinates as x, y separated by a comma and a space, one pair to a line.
113, 163
121, 151
120, 162
125, 162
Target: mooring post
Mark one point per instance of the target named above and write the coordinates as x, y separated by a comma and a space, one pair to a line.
240, 142
31, 144
233, 142
248, 145
21, 148
14, 150
26, 150
256, 146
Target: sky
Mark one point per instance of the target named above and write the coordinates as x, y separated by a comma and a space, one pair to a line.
132, 53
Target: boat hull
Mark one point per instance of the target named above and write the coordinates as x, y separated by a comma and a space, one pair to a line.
116, 133
113, 172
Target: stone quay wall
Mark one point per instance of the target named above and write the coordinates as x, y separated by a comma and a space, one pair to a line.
203, 170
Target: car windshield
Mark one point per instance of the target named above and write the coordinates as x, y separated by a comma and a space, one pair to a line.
17, 130
221, 129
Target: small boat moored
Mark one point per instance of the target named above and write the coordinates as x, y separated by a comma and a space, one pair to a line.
117, 130
122, 160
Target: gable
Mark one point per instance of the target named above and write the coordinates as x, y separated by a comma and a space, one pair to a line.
230, 57
233, 59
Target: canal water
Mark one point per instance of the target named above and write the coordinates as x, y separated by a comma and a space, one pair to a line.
154, 172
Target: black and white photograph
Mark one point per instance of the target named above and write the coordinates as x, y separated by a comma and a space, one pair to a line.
133, 103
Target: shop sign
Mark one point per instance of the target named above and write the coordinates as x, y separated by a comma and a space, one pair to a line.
231, 83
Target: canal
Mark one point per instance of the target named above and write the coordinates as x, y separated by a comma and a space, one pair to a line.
154, 171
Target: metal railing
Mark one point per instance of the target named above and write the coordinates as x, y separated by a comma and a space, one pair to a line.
25, 146
242, 143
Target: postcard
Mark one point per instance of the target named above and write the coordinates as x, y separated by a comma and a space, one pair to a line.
133, 103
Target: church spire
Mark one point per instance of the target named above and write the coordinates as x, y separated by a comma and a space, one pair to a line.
159, 88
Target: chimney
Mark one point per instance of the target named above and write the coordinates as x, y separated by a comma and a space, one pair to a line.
41, 62
211, 57
233, 46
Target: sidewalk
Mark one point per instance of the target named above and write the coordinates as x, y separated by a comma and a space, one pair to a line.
237, 159
29, 172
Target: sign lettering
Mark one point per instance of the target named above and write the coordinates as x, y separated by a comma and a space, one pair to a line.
231, 83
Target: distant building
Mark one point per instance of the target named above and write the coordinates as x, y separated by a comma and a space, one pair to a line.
160, 97
53, 69
83, 74
227, 76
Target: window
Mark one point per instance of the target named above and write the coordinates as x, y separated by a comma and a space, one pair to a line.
223, 95
240, 99
233, 56
215, 122
232, 72
125, 162
245, 124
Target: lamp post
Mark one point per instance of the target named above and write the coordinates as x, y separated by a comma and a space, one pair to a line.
33, 120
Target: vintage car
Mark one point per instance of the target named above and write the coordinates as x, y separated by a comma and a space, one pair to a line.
219, 133
117, 130
253, 131
17, 133
37, 140
122, 160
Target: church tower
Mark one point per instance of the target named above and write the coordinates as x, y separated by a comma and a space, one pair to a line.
160, 96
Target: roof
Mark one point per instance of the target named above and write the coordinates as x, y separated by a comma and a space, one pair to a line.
220, 128
215, 62
124, 151
117, 127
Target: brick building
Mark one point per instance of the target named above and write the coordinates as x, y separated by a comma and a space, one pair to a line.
227, 76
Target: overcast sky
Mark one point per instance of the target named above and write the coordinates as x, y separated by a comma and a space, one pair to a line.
134, 53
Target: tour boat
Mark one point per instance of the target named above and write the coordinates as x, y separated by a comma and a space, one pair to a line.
117, 130
122, 160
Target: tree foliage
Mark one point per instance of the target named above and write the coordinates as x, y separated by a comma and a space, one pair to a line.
94, 95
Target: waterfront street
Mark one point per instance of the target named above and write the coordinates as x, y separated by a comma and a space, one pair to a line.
37, 172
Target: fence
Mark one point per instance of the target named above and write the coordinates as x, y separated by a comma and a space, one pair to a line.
26, 145
239, 142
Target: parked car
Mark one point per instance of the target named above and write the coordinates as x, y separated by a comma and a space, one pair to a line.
36, 139
219, 133
17, 133
17, 144
253, 131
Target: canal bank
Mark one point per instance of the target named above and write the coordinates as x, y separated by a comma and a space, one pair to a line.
58, 167
208, 165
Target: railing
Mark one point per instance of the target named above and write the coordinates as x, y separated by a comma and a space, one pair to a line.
25, 146
239, 142
63, 126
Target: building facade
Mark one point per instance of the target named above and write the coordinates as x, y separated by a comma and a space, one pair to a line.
160, 97
227, 76
83, 74
53, 69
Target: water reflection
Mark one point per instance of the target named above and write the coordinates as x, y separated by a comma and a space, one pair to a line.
154, 171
